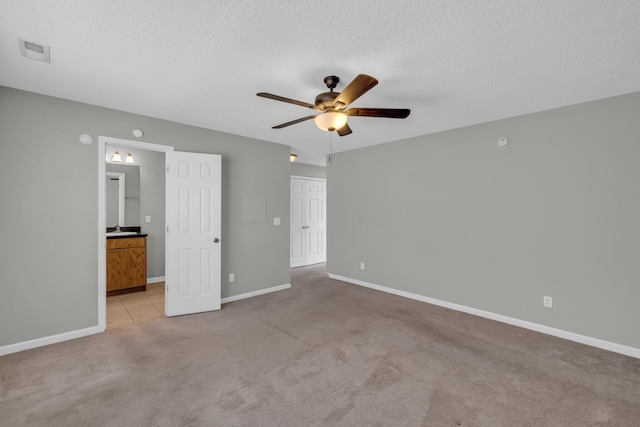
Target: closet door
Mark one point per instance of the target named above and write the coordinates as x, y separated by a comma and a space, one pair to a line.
297, 241
308, 222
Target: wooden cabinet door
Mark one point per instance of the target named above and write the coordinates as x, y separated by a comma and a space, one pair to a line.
137, 274
115, 270
126, 268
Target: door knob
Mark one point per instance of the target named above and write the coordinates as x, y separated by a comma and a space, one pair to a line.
216, 240
305, 226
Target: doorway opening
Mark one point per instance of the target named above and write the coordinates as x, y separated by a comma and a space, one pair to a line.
135, 204
127, 214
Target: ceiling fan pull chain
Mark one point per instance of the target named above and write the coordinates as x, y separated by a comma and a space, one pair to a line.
330, 146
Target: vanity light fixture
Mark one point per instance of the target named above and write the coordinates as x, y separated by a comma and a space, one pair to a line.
129, 158
116, 158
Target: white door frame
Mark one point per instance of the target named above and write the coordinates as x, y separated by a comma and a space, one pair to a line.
102, 215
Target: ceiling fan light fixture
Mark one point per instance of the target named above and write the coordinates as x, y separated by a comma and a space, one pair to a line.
331, 121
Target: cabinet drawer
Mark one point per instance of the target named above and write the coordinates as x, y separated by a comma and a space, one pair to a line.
132, 242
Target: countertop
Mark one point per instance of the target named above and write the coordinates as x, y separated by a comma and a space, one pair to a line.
128, 236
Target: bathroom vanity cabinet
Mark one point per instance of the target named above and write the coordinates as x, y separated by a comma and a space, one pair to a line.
126, 264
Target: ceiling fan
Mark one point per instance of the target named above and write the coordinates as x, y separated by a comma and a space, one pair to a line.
332, 105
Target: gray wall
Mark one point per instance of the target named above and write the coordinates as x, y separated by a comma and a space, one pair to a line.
48, 267
152, 203
450, 216
310, 171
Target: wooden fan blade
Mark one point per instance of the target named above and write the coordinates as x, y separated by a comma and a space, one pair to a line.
293, 122
289, 100
344, 131
392, 113
358, 87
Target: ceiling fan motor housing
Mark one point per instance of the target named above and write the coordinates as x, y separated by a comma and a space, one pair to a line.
325, 100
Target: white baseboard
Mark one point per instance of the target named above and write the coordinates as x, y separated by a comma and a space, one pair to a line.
41, 342
256, 293
155, 279
571, 336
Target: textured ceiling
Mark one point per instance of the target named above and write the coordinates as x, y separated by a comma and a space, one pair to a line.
201, 62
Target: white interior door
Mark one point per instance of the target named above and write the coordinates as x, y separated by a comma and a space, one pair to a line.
308, 222
316, 222
193, 233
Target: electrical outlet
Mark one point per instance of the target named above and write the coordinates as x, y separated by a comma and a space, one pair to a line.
547, 302
362, 266
232, 277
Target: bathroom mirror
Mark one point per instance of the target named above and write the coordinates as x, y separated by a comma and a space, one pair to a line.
123, 195
115, 183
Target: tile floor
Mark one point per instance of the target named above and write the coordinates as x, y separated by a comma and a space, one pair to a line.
138, 307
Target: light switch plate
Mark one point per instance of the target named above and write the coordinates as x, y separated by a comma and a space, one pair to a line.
276, 221
147, 219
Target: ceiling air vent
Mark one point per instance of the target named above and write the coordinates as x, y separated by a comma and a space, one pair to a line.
34, 51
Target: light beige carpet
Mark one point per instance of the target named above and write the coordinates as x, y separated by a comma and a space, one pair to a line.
323, 353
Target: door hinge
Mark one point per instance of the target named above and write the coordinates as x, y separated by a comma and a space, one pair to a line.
167, 169
167, 228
